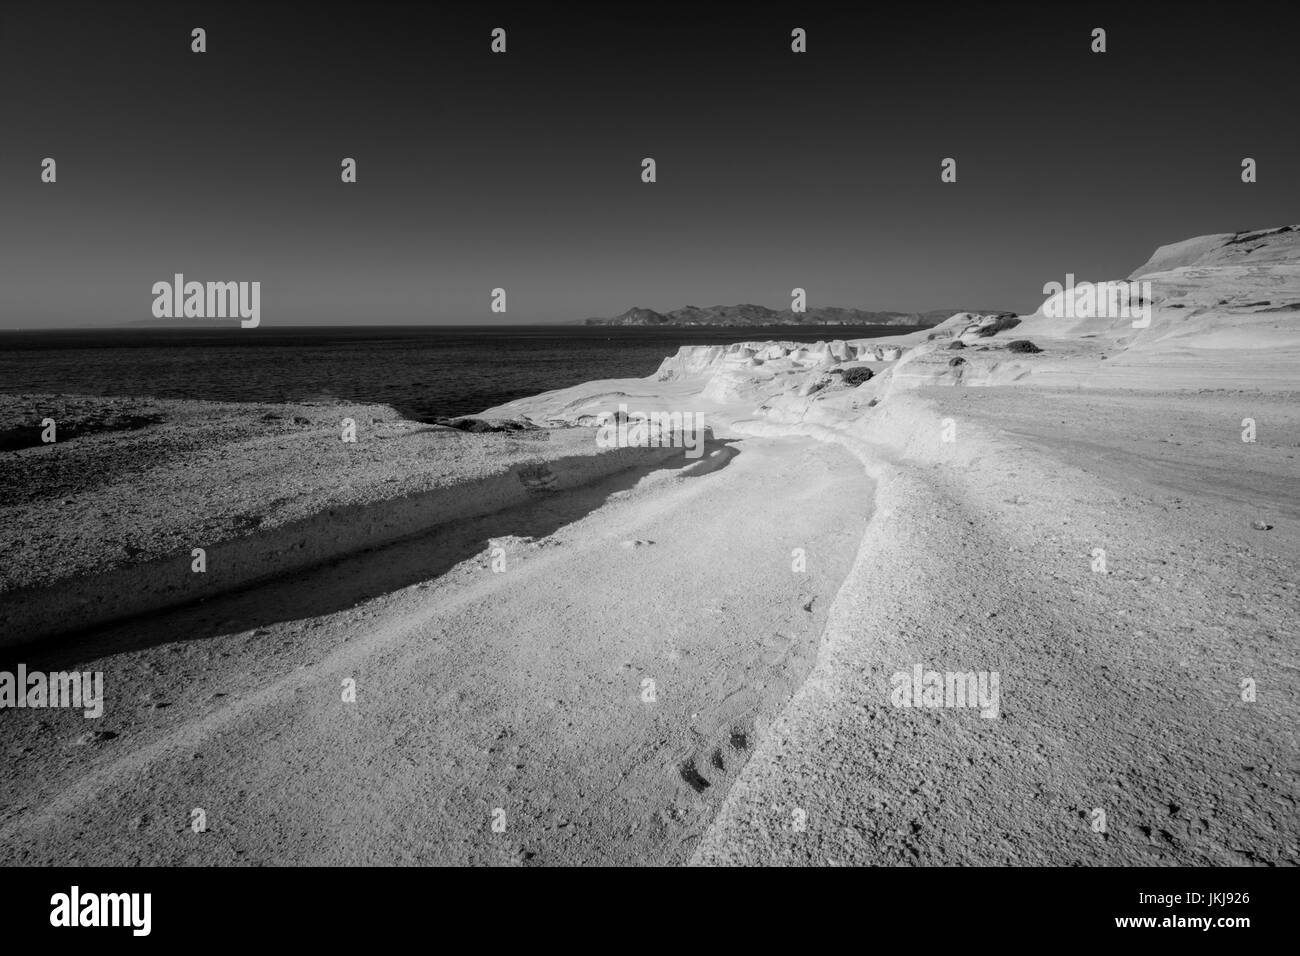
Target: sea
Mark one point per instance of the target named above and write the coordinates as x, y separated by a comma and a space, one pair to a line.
424, 372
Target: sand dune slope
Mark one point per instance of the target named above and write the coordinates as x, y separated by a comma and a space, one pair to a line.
1121, 687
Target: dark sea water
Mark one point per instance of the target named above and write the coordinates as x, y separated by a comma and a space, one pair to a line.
422, 372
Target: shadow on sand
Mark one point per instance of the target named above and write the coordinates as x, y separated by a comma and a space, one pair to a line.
357, 578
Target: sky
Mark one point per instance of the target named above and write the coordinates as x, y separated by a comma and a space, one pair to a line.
523, 170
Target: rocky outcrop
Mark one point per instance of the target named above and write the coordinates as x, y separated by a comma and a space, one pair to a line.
1278, 245
1225, 306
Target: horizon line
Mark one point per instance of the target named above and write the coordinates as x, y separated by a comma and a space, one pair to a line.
199, 325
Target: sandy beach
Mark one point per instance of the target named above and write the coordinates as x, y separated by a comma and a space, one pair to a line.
564, 653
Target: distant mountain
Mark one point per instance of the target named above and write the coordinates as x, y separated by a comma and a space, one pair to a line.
758, 315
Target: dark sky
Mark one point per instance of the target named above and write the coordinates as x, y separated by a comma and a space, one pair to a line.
523, 171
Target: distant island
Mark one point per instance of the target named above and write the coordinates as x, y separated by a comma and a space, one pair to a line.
758, 315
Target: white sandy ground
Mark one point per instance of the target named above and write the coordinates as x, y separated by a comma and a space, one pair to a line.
1121, 690
521, 690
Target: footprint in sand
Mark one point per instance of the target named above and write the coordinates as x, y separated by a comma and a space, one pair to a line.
724, 758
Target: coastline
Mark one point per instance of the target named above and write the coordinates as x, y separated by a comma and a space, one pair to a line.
1108, 523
